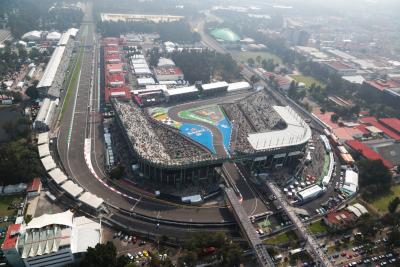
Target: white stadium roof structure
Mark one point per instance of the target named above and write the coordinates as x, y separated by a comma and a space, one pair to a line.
181, 90
44, 150
361, 208
58, 176
91, 200
64, 218
51, 68
87, 233
43, 138
297, 132
32, 35
211, 86
239, 86
48, 163
354, 210
53, 36
72, 188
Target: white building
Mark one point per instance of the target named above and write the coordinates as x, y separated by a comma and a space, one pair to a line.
32, 36
51, 240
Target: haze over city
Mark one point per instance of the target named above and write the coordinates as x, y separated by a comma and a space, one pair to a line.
199, 133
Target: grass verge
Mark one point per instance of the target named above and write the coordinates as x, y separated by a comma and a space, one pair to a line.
282, 238
73, 81
307, 80
381, 203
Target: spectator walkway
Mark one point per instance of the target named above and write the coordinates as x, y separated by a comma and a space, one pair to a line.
264, 259
318, 254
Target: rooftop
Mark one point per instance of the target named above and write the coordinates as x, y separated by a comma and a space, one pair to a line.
167, 70
393, 123
338, 65
374, 122
11, 237
34, 185
367, 152
382, 85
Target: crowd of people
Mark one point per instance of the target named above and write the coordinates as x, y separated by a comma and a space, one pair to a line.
59, 78
157, 143
252, 114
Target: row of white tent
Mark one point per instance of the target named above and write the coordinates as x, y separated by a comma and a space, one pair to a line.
61, 179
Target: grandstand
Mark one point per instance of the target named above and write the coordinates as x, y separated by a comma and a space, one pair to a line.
164, 154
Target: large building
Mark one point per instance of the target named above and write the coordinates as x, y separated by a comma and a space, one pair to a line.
168, 73
139, 17
50, 240
384, 91
267, 136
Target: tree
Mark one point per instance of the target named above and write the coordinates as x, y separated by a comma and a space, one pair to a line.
117, 172
334, 117
258, 59
375, 178
254, 79
103, 255
19, 162
392, 207
32, 91
251, 62
394, 238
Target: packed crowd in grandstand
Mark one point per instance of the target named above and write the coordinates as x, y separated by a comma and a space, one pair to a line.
155, 142
252, 114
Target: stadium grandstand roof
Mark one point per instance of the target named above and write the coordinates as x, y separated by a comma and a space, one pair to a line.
66, 36
51, 68
367, 152
297, 132
338, 65
58, 176
44, 150
72, 188
48, 163
211, 86
91, 200
63, 218
181, 90
239, 86
43, 138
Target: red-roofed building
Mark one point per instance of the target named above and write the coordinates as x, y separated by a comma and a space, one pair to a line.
118, 92
374, 122
34, 187
391, 123
111, 41
112, 58
113, 68
115, 80
108, 50
367, 152
340, 67
168, 73
386, 92
339, 219
9, 246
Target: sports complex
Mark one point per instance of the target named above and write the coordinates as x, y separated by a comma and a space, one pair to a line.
191, 141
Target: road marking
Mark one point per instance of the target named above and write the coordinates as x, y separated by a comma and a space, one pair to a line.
73, 110
134, 206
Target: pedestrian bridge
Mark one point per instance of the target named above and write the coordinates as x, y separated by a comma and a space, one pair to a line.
263, 258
